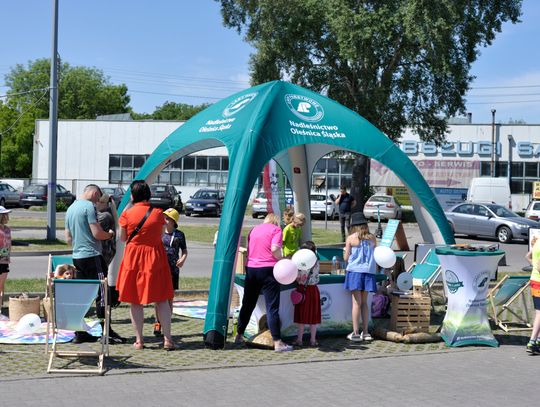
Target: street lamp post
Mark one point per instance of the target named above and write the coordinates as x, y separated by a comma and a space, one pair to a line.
493, 149
53, 129
510, 141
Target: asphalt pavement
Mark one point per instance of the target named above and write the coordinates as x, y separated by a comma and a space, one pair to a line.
337, 373
200, 259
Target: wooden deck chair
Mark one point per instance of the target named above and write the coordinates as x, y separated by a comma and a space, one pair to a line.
427, 270
501, 298
71, 300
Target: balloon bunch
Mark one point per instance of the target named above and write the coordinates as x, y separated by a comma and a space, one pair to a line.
286, 270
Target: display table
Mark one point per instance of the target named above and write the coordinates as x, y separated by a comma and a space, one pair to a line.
466, 278
335, 307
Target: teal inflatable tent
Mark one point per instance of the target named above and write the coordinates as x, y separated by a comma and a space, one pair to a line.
296, 127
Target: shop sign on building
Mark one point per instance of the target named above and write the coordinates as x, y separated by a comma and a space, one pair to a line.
536, 190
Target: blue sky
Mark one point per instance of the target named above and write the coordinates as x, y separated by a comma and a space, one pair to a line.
178, 50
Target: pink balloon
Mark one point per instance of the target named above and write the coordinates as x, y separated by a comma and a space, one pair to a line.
285, 271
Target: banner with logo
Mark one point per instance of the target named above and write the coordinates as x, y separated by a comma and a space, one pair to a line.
466, 277
274, 189
335, 307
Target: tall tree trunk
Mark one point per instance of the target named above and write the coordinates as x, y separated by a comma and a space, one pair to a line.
360, 181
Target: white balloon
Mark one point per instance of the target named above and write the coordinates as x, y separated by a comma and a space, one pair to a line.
384, 256
28, 324
304, 259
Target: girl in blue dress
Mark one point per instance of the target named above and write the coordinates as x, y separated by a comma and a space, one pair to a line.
360, 274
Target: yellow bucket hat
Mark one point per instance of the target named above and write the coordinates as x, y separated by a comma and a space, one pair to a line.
173, 214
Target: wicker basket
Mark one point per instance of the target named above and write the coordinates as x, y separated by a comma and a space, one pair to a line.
20, 306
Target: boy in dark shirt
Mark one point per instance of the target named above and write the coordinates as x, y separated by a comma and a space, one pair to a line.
174, 242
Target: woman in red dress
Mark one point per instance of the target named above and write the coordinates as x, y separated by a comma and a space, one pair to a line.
144, 275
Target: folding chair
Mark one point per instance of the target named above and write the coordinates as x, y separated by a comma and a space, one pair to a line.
503, 295
71, 300
427, 271
54, 261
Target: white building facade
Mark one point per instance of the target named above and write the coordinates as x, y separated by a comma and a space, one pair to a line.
111, 152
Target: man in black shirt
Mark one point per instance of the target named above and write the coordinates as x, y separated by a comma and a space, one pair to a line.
346, 202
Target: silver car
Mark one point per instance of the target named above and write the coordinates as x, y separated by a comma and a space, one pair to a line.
319, 204
259, 205
9, 196
382, 205
533, 210
476, 219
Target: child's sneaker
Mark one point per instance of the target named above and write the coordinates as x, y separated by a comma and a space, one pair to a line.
354, 337
533, 348
366, 337
157, 330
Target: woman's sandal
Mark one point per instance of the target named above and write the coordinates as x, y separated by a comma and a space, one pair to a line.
169, 346
138, 346
314, 344
297, 343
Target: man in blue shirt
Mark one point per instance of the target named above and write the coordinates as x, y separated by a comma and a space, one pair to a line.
346, 202
84, 233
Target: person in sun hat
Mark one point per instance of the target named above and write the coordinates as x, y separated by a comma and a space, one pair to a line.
174, 242
5, 249
360, 273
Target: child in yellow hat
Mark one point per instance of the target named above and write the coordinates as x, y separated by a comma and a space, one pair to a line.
174, 241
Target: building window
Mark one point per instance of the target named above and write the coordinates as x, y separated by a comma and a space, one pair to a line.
517, 169
202, 163
214, 163
531, 169
189, 163
485, 168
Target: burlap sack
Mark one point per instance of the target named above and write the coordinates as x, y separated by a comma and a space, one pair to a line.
20, 306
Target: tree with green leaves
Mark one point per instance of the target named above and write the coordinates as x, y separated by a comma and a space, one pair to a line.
398, 63
172, 111
84, 93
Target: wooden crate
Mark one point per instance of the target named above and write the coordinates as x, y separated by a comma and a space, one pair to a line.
241, 259
325, 267
410, 311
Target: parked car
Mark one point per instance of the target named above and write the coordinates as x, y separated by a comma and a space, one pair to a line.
116, 192
206, 201
491, 220
319, 204
9, 196
165, 196
388, 206
259, 205
36, 195
533, 210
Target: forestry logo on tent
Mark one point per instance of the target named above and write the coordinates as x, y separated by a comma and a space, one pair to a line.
238, 104
305, 108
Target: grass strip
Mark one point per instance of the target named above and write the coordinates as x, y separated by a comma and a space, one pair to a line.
37, 285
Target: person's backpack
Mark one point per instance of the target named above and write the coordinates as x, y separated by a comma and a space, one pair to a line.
379, 305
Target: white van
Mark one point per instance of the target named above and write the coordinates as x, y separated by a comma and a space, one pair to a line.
493, 190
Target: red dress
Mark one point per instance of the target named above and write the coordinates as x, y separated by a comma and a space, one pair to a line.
144, 276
